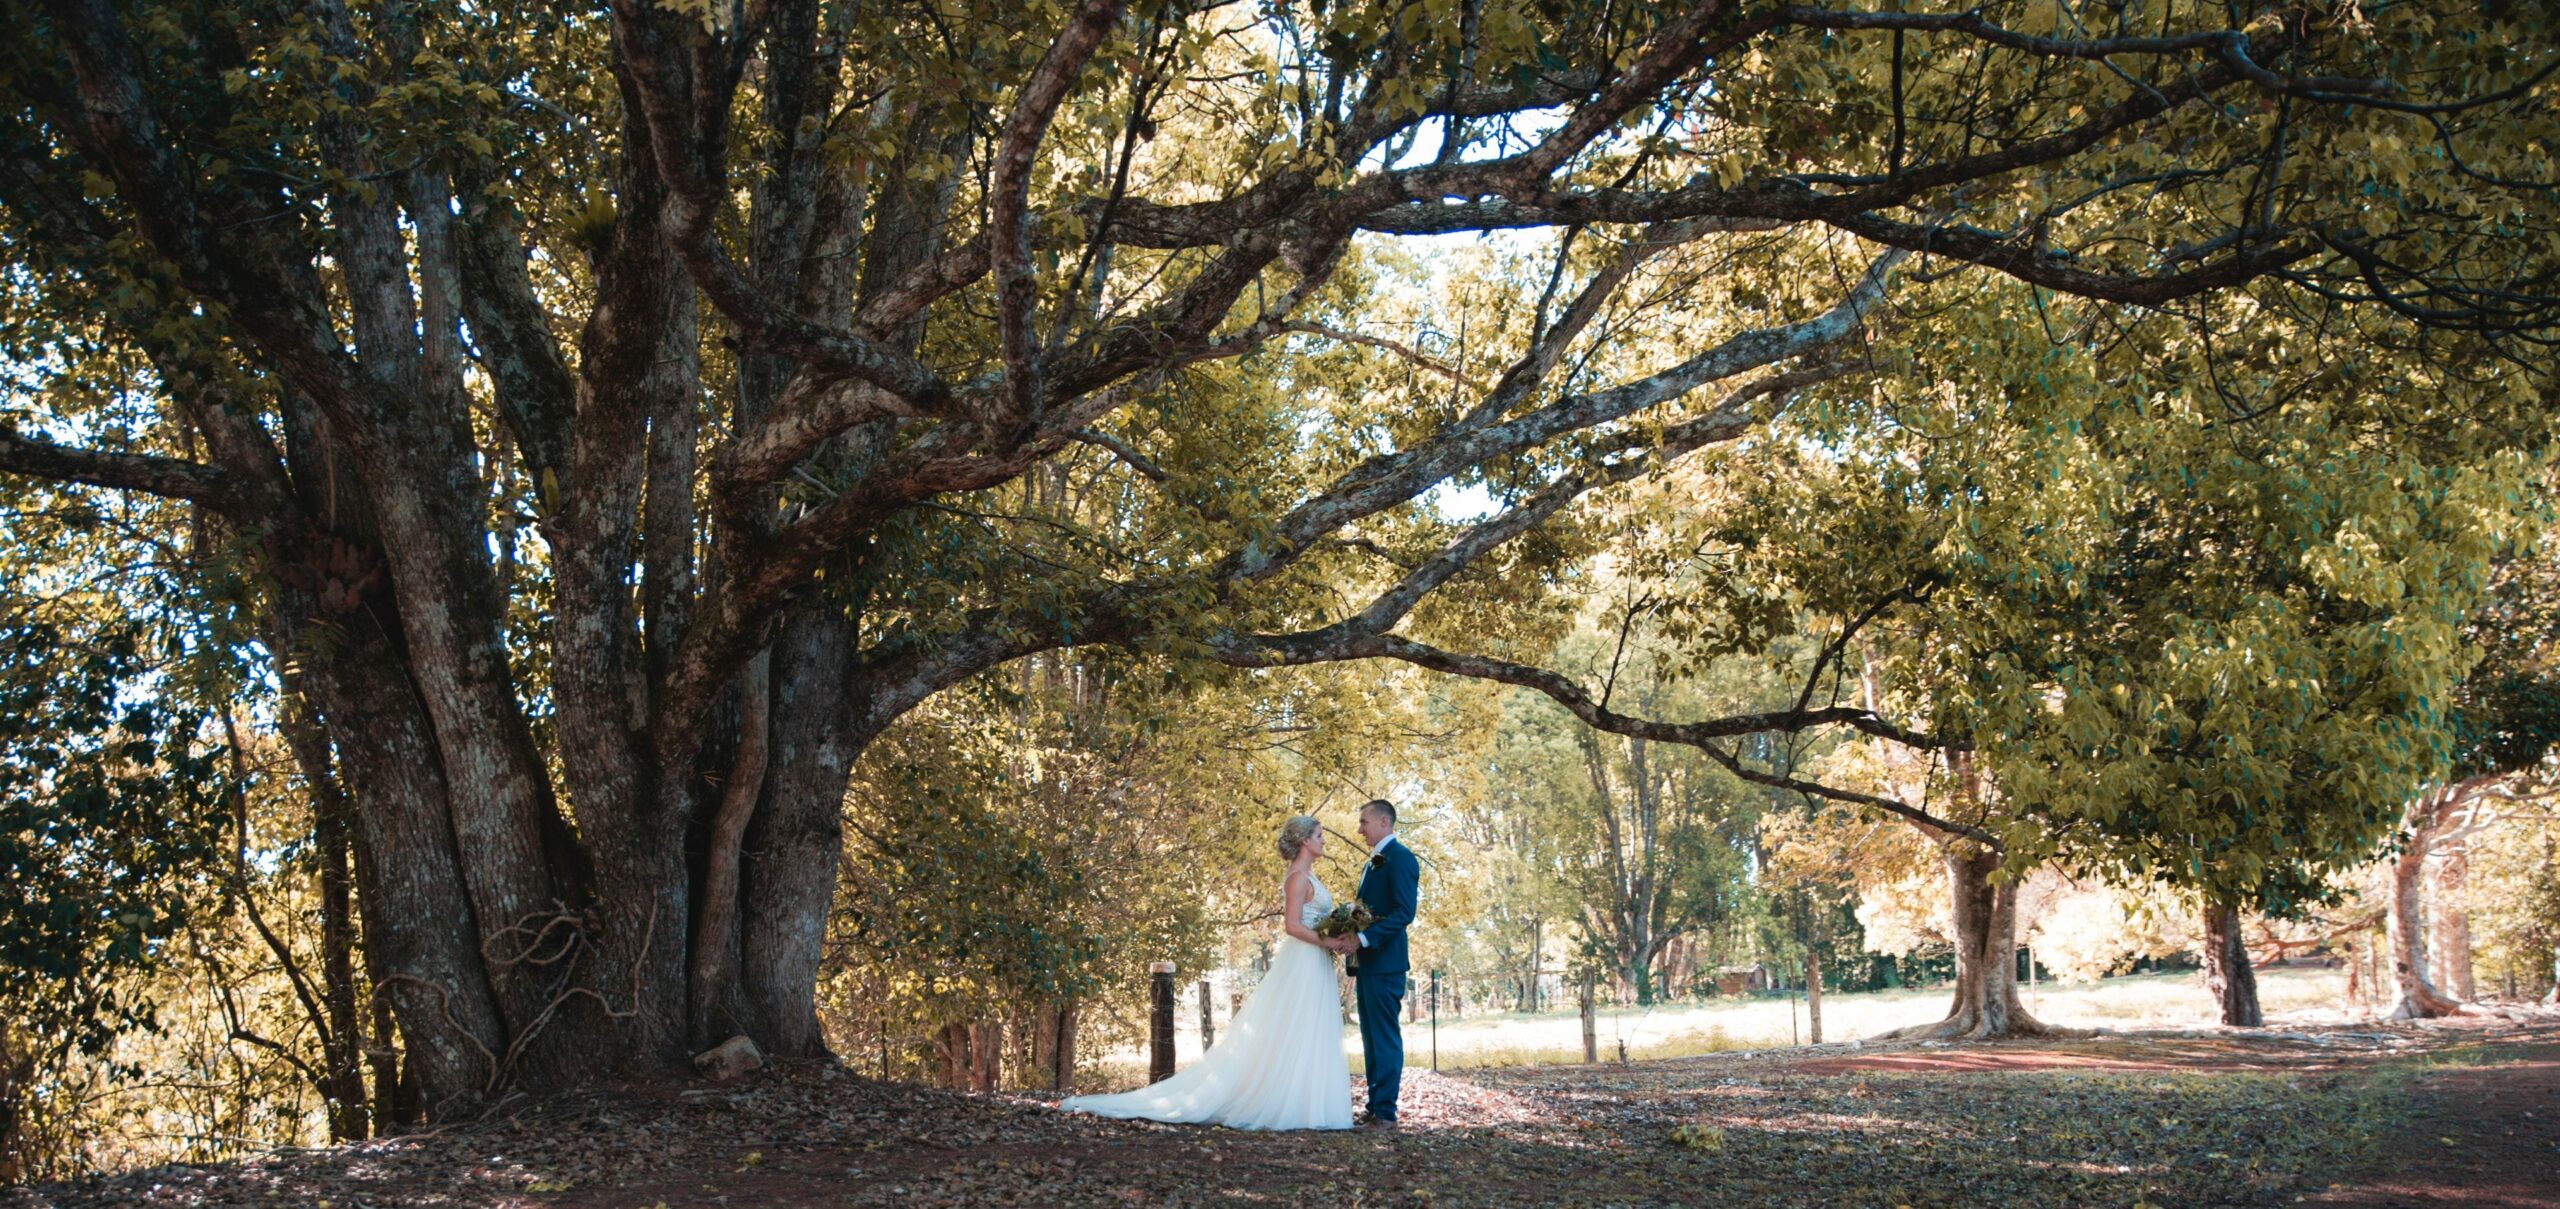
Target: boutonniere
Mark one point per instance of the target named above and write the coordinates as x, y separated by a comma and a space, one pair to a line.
1377, 861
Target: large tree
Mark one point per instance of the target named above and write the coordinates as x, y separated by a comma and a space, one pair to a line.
623, 415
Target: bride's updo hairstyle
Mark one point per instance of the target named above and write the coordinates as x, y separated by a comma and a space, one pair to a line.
1294, 833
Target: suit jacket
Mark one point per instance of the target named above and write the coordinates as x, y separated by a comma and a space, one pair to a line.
1390, 888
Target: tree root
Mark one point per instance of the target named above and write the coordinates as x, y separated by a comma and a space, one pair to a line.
2423, 1004
1972, 1024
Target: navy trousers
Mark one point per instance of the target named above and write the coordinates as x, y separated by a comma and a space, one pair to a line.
1381, 999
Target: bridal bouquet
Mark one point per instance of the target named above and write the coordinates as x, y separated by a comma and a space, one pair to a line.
1344, 920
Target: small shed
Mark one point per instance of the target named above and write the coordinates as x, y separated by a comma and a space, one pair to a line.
1742, 980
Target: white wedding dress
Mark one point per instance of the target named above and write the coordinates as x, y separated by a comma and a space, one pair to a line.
1279, 1065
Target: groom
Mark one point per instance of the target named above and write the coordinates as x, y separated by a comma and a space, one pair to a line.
1389, 889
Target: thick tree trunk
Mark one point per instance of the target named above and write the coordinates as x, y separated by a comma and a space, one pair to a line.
953, 1044
417, 922
1986, 919
2452, 944
2227, 972
1053, 1051
986, 1038
795, 842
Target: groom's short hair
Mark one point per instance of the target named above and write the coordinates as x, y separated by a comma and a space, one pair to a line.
1383, 807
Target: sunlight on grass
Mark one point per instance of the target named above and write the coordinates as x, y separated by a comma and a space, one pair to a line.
1690, 1029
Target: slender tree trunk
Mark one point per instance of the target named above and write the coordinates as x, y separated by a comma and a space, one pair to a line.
333, 835
1813, 994
715, 1012
2227, 972
1529, 980
1986, 917
348, 1101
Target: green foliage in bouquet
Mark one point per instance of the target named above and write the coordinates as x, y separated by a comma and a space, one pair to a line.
1345, 919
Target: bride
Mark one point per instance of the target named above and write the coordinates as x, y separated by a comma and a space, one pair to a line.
1281, 1064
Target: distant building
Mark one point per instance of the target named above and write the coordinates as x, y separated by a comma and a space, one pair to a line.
1742, 980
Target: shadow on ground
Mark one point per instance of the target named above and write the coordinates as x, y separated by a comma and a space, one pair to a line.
2362, 1116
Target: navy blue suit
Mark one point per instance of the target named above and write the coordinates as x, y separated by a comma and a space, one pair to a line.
1389, 888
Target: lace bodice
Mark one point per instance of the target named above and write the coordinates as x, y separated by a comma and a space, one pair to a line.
1319, 902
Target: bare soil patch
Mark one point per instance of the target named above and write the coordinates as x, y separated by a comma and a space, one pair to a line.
2487, 1135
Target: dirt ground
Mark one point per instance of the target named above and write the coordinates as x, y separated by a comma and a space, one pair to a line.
2461, 1112
2485, 1136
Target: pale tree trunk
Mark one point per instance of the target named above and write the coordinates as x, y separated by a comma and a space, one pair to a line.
2452, 944
1986, 918
1813, 994
2405, 919
2227, 972
1529, 977
2405, 925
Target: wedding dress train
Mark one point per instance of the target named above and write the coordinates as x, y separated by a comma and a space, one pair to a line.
1280, 1063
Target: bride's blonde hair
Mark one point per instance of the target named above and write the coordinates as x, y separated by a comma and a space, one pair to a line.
1294, 833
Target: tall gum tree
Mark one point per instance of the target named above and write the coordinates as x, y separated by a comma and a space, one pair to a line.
596, 397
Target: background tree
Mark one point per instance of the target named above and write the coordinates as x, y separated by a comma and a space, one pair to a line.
2506, 725
1644, 847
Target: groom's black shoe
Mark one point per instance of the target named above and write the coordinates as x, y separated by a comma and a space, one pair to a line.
1371, 1120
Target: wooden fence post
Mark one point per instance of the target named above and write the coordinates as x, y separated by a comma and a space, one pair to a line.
1208, 1027
1160, 1018
1435, 1022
